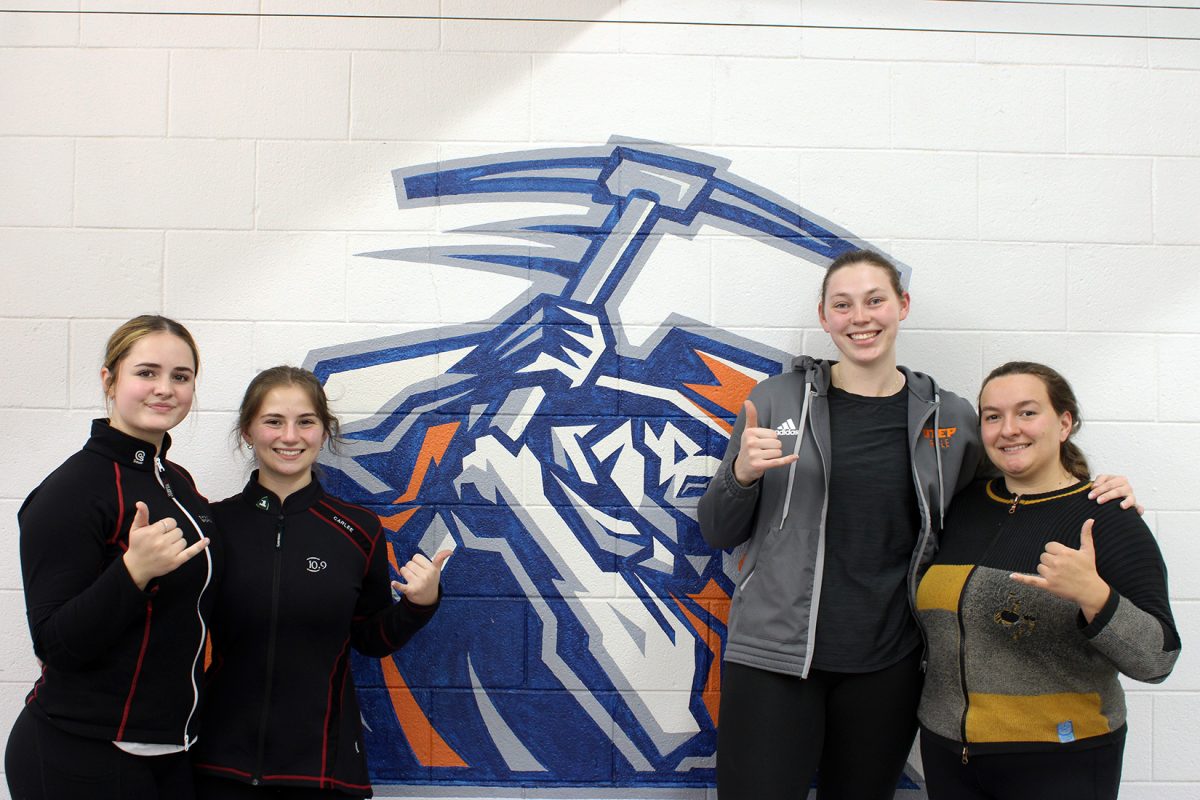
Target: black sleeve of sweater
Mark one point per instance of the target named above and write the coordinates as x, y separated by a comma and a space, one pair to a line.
1128, 559
381, 626
77, 604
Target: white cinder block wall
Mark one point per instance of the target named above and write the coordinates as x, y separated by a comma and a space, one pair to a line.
224, 169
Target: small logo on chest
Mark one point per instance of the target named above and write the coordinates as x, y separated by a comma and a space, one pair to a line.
788, 428
944, 435
314, 564
349, 527
264, 503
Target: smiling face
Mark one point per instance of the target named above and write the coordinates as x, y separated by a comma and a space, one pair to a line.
861, 312
150, 390
287, 434
1022, 433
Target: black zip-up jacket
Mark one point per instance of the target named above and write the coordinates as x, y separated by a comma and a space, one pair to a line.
304, 582
119, 663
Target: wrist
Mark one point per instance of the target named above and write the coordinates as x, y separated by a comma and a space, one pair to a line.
1094, 600
136, 574
745, 481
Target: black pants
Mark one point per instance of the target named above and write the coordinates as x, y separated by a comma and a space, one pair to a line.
776, 731
45, 763
210, 788
1090, 774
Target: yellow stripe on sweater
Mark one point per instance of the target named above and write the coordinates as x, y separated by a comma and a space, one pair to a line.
1033, 718
940, 588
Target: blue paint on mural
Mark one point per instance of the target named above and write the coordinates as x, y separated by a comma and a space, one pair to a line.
577, 642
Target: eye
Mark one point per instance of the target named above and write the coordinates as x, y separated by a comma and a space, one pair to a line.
144, 373
182, 377
990, 417
875, 301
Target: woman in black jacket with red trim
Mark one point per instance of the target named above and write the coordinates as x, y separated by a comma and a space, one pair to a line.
116, 603
306, 579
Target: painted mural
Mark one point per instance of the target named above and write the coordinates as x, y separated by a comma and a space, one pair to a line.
580, 636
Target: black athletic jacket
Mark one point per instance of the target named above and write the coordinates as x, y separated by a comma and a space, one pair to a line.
119, 663
304, 582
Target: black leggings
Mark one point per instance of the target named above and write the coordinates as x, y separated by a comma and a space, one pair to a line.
1090, 774
43, 762
776, 730
210, 788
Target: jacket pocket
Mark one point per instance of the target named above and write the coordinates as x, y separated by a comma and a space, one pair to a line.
774, 600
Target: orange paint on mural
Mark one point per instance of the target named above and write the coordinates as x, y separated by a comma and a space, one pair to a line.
732, 387
428, 746
395, 522
435, 445
711, 694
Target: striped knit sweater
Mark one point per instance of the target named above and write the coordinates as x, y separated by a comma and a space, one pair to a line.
1015, 668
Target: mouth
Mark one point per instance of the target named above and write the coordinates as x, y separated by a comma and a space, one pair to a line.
1013, 448
162, 408
864, 336
285, 453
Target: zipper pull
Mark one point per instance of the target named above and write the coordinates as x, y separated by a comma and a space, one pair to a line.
965, 756
1012, 509
278, 533
162, 477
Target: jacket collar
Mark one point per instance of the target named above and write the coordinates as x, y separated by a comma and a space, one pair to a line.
817, 371
263, 499
126, 450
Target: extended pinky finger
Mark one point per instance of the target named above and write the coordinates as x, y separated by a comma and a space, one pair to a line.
1028, 580
190, 552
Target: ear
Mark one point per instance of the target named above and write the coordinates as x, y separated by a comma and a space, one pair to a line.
107, 381
1065, 423
821, 315
905, 305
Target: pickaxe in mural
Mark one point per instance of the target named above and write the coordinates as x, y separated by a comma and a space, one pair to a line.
580, 641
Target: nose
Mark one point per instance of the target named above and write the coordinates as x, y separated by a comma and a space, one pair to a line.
858, 313
290, 432
1008, 426
163, 386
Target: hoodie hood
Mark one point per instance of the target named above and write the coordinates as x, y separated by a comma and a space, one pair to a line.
818, 372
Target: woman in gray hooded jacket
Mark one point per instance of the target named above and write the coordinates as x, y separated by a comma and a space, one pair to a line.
835, 484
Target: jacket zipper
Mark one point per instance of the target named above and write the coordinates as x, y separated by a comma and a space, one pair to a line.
962, 633
923, 541
271, 636
819, 567
160, 473
962, 665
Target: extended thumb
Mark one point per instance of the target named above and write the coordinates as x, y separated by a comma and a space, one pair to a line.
751, 415
141, 515
1085, 537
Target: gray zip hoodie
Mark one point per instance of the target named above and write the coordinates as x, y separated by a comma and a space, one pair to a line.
781, 517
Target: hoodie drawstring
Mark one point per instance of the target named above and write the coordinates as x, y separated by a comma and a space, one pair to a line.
937, 450
787, 498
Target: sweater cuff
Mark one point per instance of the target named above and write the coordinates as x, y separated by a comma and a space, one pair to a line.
426, 611
1092, 630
